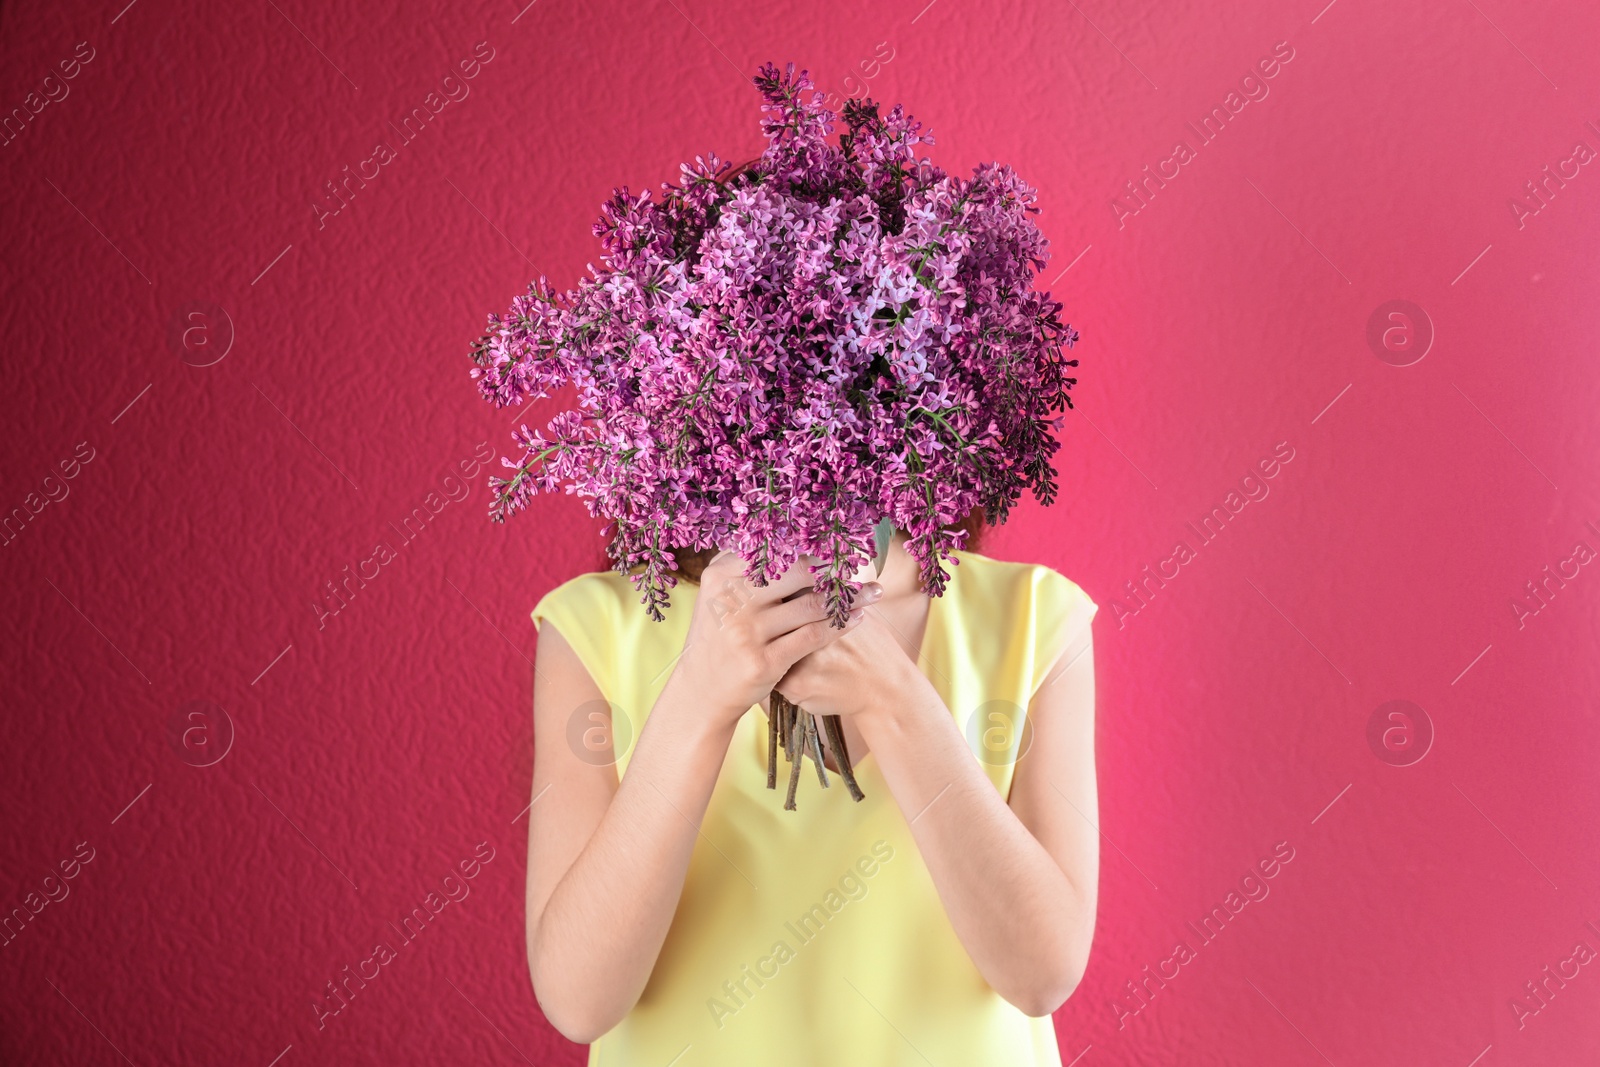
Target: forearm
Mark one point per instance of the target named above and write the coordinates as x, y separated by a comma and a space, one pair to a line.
1025, 924
603, 926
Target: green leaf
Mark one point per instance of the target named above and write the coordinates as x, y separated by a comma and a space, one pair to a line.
881, 534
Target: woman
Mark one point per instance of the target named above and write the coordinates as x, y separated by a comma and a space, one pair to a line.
676, 914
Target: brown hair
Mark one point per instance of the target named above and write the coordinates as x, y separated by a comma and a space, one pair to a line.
692, 564
736, 171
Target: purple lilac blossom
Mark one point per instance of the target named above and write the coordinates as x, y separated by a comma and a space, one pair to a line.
771, 364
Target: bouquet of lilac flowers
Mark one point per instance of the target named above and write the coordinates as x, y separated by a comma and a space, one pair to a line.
779, 361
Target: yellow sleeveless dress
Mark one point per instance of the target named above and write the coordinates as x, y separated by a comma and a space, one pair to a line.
816, 936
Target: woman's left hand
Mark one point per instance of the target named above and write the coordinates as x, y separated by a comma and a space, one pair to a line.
865, 669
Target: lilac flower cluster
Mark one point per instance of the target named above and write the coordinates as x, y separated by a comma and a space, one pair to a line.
773, 362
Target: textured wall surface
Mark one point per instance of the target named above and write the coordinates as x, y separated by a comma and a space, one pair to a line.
223, 786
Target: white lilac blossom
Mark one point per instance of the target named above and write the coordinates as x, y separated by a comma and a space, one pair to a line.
773, 361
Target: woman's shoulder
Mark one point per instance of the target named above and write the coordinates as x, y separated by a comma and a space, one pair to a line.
1038, 585
591, 595
1022, 605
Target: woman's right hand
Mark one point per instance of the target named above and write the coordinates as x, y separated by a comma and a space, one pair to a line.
744, 638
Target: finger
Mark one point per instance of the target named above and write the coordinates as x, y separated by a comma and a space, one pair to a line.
780, 618
725, 587
794, 580
727, 561
804, 640
730, 564
777, 619
725, 579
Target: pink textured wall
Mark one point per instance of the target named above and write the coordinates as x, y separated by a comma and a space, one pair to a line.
233, 395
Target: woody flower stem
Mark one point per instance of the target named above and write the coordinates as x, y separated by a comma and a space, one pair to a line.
841, 752
796, 730
786, 716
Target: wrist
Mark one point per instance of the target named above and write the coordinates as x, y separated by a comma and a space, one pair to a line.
688, 725
897, 697
694, 690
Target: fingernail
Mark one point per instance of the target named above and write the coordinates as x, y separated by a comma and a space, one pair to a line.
857, 614
871, 591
